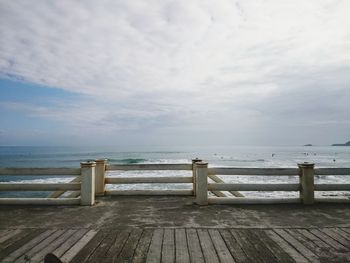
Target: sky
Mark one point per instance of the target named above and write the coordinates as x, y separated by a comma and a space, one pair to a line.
165, 73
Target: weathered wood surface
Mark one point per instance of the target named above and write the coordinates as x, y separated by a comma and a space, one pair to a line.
39, 201
177, 245
132, 167
247, 200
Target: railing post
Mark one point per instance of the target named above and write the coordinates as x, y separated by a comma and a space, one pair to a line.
100, 176
194, 161
201, 183
87, 192
307, 186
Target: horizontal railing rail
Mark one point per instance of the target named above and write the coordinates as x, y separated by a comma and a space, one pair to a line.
148, 180
145, 167
254, 171
332, 171
253, 187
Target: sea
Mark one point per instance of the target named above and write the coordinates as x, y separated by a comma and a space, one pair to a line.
223, 156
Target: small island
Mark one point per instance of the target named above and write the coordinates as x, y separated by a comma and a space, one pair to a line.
342, 144
309, 144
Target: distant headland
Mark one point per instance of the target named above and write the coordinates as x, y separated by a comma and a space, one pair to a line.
342, 144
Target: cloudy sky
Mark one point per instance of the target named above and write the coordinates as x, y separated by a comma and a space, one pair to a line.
252, 72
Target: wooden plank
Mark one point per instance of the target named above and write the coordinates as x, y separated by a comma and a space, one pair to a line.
194, 247
102, 245
133, 167
40, 246
298, 245
40, 171
253, 187
48, 248
337, 237
74, 250
15, 244
289, 249
39, 187
341, 232
26, 247
9, 234
347, 230
332, 187
234, 247
182, 255
330, 241
122, 236
318, 242
149, 192
140, 254
8, 239
217, 179
306, 242
155, 250
127, 253
272, 246
246, 200
263, 253
246, 246
332, 171
63, 248
254, 171
168, 248
39, 201
208, 249
148, 180
220, 247
4, 231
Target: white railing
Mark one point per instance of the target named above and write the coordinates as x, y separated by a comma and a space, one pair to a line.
82, 188
207, 185
306, 186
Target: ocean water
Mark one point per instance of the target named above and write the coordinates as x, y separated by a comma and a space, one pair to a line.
327, 156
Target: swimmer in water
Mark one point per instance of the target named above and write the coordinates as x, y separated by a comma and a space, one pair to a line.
273, 155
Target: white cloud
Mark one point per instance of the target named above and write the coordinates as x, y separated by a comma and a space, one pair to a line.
174, 62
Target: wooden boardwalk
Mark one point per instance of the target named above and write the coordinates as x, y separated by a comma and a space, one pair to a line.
177, 245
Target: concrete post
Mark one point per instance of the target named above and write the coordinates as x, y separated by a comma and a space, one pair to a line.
87, 192
306, 175
194, 174
201, 183
100, 177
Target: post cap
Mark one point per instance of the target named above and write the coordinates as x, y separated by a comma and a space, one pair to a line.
196, 160
99, 161
88, 164
306, 165
201, 164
